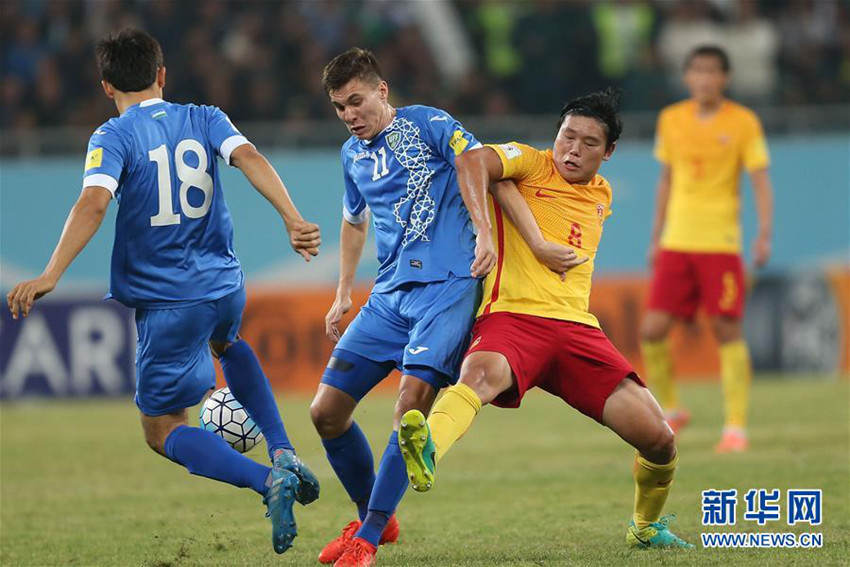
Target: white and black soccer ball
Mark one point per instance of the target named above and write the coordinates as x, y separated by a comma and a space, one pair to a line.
226, 417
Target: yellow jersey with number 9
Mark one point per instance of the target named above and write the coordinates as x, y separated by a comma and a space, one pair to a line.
706, 157
567, 214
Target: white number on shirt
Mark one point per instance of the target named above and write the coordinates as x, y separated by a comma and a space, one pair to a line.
382, 162
189, 176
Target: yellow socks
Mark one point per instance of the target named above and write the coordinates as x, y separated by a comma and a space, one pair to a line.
452, 416
652, 485
659, 370
735, 373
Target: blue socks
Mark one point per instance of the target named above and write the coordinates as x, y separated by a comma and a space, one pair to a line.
387, 493
206, 454
245, 378
351, 459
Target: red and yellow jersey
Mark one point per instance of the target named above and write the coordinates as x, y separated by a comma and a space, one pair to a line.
706, 157
567, 214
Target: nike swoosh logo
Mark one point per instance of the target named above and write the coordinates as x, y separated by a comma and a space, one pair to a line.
417, 350
643, 541
543, 195
438, 118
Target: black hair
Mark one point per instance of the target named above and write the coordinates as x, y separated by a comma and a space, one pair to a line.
604, 106
710, 51
355, 63
130, 60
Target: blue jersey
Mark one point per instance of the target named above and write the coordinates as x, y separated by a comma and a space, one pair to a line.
406, 177
173, 235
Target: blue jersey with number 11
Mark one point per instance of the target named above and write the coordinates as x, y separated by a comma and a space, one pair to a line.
173, 235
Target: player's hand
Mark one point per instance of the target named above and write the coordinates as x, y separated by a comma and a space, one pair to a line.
22, 296
558, 258
341, 306
761, 251
305, 238
485, 255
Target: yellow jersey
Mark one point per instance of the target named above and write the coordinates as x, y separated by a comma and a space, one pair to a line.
706, 158
567, 214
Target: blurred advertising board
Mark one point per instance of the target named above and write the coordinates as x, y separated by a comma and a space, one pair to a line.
795, 323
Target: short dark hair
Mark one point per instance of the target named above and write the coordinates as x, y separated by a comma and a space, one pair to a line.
129, 60
355, 63
603, 106
709, 51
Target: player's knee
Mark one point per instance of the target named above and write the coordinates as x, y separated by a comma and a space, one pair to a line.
328, 423
652, 331
660, 446
725, 330
482, 381
155, 439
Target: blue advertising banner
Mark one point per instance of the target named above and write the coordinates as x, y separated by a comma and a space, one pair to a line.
68, 348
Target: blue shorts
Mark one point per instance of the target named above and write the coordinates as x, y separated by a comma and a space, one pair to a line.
174, 366
422, 329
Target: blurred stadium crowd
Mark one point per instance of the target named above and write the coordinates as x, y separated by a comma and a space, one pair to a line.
262, 60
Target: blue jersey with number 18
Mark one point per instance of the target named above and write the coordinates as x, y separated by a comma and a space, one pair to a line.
173, 235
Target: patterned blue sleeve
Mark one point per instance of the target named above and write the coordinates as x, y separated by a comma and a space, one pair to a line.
448, 136
105, 159
223, 134
354, 207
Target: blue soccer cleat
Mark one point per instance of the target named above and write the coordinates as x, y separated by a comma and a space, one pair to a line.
279, 500
308, 489
656, 535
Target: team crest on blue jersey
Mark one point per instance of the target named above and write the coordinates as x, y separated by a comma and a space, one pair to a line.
393, 139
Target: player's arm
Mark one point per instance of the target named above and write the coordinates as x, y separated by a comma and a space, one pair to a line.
304, 237
661, 201
556, 257
763, 193
476, 170
352, 238
83, 221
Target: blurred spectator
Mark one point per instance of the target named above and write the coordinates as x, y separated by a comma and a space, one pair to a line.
753, 46
690, 25
262, 59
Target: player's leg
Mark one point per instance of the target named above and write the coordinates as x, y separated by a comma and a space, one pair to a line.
202, 452
632, 413
735, 374
672, 293
508, 354
165, 388
417, 391
251, 388
439, 316
484, 375
365, 355
722, 283
593, 377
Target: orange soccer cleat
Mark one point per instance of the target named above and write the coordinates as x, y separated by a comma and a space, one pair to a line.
336, 548
358, 553
732, 441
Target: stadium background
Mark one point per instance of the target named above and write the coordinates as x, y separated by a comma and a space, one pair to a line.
503, 68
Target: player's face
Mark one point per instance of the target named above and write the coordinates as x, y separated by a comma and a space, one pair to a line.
579, 148
363, 107
705, 78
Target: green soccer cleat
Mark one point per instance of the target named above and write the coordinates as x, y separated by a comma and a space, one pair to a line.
279, 500
308, 488
418, 450
656, 535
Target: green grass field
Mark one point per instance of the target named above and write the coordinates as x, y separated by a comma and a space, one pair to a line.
539, 486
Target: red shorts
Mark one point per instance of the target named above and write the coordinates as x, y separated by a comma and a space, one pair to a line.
682, 281
573, 361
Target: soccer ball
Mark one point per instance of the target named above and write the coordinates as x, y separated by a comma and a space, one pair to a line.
226, 417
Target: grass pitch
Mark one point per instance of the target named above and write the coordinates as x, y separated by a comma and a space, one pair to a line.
539, 486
